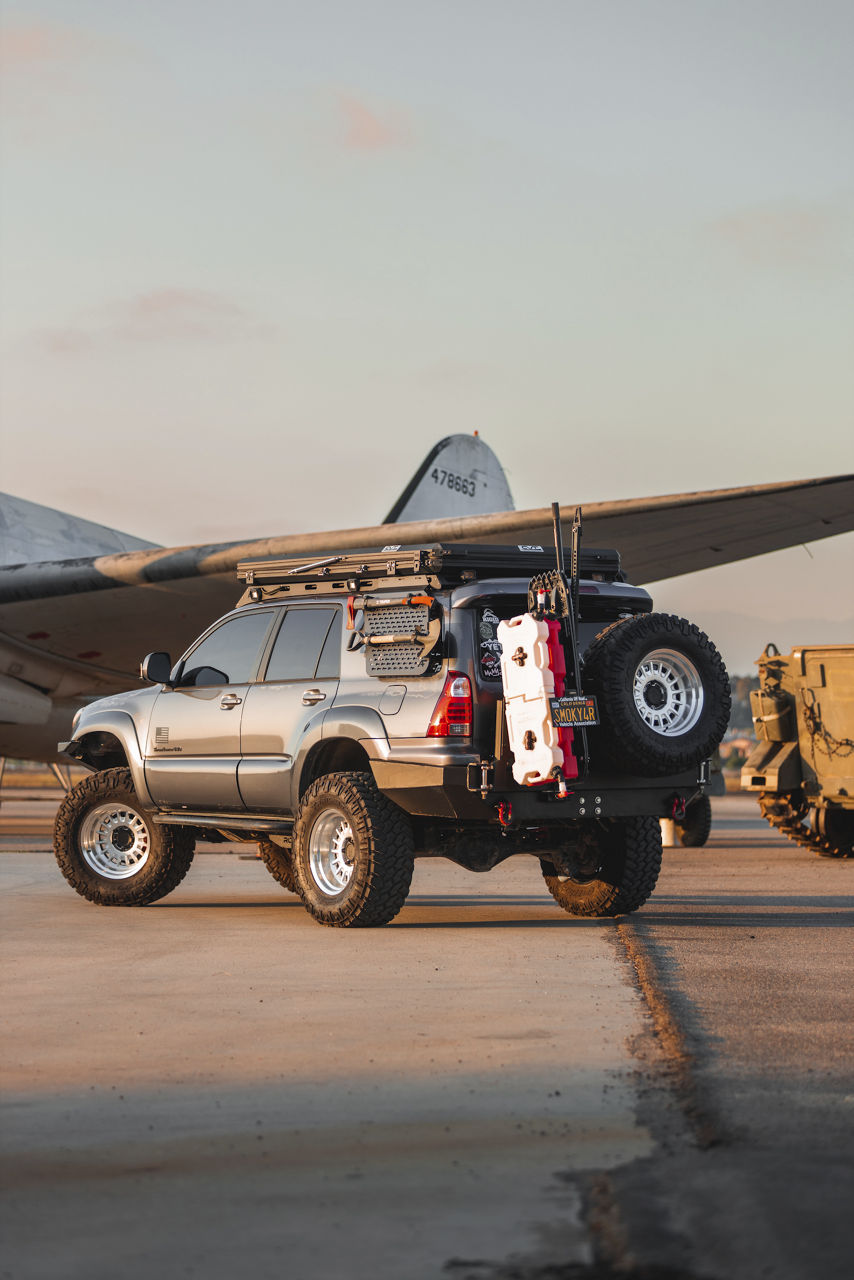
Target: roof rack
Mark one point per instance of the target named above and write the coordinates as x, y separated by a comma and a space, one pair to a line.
436, 565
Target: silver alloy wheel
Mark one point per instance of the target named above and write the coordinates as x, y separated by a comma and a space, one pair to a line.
668, 692
115, 841
330, 852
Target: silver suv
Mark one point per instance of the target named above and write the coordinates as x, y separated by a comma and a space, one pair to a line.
347, 716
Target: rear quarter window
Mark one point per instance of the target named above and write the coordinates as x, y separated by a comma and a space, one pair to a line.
488, 645
488, 615
300, 646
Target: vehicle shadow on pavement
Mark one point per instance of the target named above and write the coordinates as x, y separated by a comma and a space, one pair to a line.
518, 922
208, 905
842, 901
778, 844
477, 900
735, 919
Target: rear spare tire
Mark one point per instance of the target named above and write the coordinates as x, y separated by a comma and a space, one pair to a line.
108, 848
663, 695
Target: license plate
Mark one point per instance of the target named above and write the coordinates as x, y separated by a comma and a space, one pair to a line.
574, 711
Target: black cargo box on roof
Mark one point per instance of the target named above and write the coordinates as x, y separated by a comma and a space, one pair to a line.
446, 565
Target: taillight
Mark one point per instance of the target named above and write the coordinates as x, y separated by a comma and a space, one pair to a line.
452, 716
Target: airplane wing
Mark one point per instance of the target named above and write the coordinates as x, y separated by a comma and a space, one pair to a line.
113, 605
79, 627
681, 533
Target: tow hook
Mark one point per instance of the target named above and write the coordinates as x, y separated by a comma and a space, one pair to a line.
505, 814
677, 812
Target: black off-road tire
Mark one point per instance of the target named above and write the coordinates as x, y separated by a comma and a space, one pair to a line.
378, 849
83, 842
279, 863
610, 871
695, 828
696, 695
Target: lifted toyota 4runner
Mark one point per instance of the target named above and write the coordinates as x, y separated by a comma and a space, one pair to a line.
348, 716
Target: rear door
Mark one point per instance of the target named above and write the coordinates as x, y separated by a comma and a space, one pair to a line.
194, 732
284, 710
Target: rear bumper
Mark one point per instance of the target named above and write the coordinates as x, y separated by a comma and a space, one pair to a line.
429, 791
452, 791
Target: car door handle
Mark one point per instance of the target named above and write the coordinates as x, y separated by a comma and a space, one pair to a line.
311, 696
229, 700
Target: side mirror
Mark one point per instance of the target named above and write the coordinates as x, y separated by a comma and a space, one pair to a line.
156, 667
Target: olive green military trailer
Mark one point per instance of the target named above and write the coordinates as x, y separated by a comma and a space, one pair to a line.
803, 763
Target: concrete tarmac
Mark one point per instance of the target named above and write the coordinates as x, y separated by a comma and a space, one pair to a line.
486, 1089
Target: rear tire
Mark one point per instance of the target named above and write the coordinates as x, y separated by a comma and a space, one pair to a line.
663, 694
609, 870
108, 848
696, 826
279, 863
352, 852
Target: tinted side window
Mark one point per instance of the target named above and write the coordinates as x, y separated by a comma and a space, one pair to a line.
233, 649
329, 666
298, 646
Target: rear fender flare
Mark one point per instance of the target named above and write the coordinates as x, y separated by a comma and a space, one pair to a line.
362, 725
359, 723
313, 735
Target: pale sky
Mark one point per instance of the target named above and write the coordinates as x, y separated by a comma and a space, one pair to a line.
256, 259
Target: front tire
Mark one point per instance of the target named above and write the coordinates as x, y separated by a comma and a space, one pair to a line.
610, 868
352, 852
108, 848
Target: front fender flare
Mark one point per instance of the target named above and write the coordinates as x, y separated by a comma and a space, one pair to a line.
121, 726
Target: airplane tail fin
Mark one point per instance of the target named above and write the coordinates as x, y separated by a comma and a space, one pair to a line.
460, 476
31, 532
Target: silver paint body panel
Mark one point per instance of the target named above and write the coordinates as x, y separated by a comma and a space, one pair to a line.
277, 729
193, 748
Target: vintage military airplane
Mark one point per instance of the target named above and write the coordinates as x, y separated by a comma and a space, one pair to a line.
80, 604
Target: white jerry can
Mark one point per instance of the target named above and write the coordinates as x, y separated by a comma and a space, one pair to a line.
528, 685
